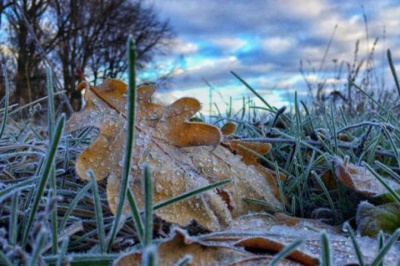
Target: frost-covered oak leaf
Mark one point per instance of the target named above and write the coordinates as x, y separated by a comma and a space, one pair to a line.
182, 156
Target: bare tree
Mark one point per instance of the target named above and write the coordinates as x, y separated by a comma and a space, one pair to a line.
29, 77
150, 35
93, 34
86, 34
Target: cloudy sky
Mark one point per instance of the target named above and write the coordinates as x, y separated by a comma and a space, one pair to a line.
263, 41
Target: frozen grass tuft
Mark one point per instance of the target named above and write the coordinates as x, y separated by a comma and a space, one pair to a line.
50, 216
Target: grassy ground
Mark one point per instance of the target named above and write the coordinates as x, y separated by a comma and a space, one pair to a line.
49, 214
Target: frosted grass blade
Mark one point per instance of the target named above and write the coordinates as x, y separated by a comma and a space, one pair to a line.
148, 207
393, 70
189, 194
385, 249
98, 211
73, 204
326, 257
130, 137
6, 101
355, 244
285, 252
44, 176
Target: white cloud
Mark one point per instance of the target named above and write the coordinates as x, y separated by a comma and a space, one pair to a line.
181, 47
302, 9
265, 40
230, 44
278, 44
209, 65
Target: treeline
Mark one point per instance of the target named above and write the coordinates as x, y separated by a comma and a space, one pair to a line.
69, 34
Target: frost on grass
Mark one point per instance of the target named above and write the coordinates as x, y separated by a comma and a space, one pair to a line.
182, 156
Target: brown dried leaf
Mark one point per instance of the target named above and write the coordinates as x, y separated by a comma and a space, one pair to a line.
202, 252
273, 236
270, 245
181, 244
239, 245
228, 129
342, 249
182, 156
359, 179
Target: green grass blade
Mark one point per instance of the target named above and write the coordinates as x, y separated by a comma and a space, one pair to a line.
6, 102
328, 196
24, 184
86, 259
136, 215
11, 190
13, 226
381, 243
98, 211
293, 205
4, 260
297, 116
148, 206
371, 98
63, 252
218, 111
388, 170
54, 212
185, 260
393, 193
385, 249
37, 248
130, 137
50, 158
262, 203
150, 256
372, 148
53, 182
326, 257
392, 144
355, 244
50, 102
334, 134
189, 194
381, 240
393, 70
25, 206
270, 108
285, 252
73, 204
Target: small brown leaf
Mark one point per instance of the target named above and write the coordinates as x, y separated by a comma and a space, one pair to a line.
228, 129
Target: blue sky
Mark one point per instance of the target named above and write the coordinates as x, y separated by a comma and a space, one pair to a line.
263, 41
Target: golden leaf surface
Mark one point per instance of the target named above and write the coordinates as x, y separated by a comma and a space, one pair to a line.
182, 156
